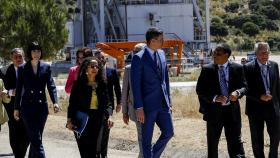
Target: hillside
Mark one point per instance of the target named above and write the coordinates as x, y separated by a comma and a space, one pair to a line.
241, 23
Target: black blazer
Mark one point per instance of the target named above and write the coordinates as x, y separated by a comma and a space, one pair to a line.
80, 99
10, 77
208, 87
10, 80
113, 83
254, 106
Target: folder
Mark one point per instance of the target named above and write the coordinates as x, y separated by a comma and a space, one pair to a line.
81, 122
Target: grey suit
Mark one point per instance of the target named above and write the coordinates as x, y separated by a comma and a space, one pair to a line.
127, 104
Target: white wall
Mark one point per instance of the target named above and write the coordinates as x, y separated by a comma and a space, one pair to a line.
173, 18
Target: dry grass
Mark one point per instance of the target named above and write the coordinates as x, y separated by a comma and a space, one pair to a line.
185, 102
184, 77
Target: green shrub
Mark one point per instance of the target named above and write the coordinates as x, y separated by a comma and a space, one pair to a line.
250, 28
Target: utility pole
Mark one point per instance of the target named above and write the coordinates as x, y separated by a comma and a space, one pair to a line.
102, 20
207, 13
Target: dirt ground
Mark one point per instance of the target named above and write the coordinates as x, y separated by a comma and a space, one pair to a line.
189, 140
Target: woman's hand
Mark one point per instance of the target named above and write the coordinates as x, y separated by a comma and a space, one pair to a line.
16, 115
56, 108
110, 122
70, 125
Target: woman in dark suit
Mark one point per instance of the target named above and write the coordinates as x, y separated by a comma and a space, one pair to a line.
31, 102
89, 95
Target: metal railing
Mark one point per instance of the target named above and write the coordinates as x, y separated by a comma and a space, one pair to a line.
136, 2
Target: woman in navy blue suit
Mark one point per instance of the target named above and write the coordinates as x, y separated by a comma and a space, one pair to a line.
31, 102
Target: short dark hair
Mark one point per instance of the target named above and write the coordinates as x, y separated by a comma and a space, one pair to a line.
152, 33
97, 52
88, 52
223, 47
33, 46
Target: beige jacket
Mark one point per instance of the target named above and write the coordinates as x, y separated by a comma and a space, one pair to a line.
127, 96
6, 99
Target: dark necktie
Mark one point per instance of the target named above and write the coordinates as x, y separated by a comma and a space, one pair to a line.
223, 83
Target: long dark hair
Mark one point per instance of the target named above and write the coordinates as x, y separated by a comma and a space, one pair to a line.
82, 76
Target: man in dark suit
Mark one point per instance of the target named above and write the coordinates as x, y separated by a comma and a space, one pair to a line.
219, 87
18, 138
113, 84
262, 100
150, 87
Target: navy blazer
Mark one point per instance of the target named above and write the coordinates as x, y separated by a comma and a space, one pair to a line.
113, 83
30, 88
150, 89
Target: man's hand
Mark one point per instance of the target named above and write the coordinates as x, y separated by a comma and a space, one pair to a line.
140, 116
233, 96
14, 92
118, 108
110, 122
125, 118
266, 97
56, 108
221, 99
16, 115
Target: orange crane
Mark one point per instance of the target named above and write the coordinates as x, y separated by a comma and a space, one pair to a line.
119, 49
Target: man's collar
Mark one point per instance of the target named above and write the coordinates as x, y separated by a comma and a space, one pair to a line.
260, 64
224, 65
151, 52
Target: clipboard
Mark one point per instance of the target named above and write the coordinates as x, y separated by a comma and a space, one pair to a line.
81, 121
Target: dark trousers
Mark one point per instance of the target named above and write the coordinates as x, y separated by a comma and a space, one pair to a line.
88, 141
103, 139
232, 132
257, 135
34, 118
18, 137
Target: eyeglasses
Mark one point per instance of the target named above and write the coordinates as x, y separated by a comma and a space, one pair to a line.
94, 66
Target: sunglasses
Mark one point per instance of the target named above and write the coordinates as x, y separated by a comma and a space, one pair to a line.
94, 66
